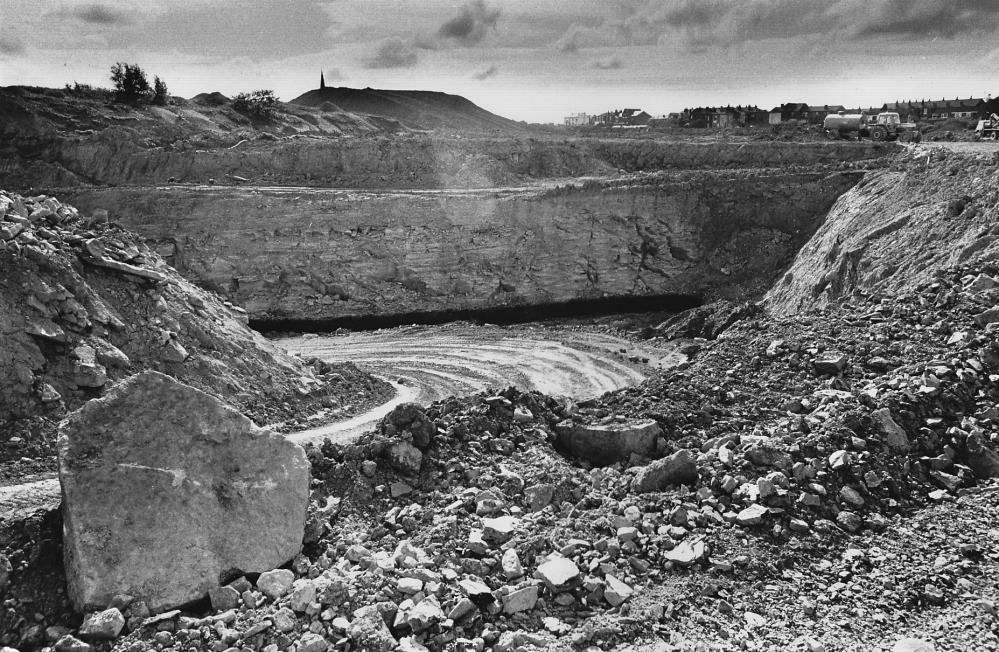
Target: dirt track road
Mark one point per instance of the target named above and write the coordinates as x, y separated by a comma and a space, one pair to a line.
428, 363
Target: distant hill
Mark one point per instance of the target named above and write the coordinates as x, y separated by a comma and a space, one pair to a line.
414, 109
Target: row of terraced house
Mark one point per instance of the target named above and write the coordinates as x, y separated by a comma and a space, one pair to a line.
731, 116
728, 116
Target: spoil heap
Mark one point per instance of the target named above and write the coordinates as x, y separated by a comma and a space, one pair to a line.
838, 465
84, 304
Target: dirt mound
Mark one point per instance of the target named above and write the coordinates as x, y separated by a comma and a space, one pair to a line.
211, 99
895, 228
416, 109
84, 304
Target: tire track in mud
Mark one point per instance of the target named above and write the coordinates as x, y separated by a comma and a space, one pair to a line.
429, 363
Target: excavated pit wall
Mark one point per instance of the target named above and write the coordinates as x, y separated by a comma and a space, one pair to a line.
120, 156
310, 254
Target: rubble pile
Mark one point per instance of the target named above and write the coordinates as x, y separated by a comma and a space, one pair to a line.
800, 467
84, 304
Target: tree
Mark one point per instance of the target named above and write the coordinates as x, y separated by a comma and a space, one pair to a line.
130, 83
159, 91
257, 103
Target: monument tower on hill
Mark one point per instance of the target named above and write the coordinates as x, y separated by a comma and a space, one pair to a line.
322, 80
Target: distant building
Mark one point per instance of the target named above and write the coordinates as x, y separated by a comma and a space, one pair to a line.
622, 118
788, 111
322, 80
817, 113
723, 116
971, 108
577, 120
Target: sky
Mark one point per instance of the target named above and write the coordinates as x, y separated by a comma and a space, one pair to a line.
533, 60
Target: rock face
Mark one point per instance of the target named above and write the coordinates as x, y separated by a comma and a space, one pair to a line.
923, 206
84, 305
604, 444
335, 254
165, 488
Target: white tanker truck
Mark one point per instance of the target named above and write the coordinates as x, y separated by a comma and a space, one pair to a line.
886, 126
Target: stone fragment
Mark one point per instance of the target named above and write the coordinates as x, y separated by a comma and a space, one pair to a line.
284, 619
369, 632
303, 593
409, 585
851, 496
678, 468
87, 372
223, 598
752, 515
425, 615
558, 573
275, 583
616, 592
164, 468
512, 567
311, 642
765, 454
523, 599
849, 521
983, 283
831, 364
406, 457
539, 496
461, 609
603, 444
894, 434
687, 552
410, 420
70, 643
102, 625
499, 530
987, 317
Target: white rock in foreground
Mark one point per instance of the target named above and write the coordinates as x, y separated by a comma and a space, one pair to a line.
165, 488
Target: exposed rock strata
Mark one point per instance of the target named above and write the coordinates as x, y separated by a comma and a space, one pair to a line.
326, 254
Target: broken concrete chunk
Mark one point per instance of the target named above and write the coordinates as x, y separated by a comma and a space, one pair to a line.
165, 487
604, 444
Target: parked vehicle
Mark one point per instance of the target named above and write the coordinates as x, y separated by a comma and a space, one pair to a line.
884, 126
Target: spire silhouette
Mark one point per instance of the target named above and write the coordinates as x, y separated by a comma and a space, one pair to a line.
322, 80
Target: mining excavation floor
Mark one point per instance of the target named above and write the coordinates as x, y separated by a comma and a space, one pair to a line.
429, 363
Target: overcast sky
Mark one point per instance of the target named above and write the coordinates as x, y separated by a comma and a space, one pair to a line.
534, 60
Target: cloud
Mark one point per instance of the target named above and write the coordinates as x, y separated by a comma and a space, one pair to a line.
393, 53
491, 71
11, 45
707, 24
258, 30
98, 14
472, 23
614, 63
333, 74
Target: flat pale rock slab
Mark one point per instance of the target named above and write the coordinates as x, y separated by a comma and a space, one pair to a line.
605, 444
165, 488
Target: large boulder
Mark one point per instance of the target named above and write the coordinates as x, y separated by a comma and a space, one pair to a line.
167, 490
605, 444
